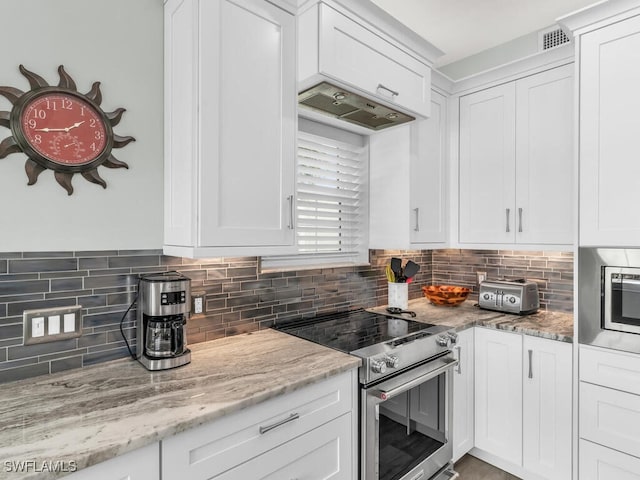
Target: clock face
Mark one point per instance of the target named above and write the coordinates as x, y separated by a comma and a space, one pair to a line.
64, 128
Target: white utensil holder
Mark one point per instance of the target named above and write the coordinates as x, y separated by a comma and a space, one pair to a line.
398, 295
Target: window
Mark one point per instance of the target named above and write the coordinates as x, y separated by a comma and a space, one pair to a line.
331, 198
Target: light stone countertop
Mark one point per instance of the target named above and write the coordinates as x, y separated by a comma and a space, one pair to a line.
546, 324
96, 413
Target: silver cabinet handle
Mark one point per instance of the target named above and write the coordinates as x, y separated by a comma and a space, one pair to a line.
459, 369
508, 215
290, 418
418, 476
530, 362
392, 92
520, 220
290, 200
417, 210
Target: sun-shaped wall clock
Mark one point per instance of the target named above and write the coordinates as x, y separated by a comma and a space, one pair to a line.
60, 129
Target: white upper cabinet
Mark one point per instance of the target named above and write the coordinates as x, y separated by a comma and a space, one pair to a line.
487, 165
407, 188
230, 120
337, 48
516, 162
609, 140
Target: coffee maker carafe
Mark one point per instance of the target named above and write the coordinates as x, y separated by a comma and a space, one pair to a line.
164, 301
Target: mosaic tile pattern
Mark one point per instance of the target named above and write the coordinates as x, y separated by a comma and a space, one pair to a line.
239, 298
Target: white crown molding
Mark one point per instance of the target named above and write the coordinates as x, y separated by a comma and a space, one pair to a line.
603, 12
513, 70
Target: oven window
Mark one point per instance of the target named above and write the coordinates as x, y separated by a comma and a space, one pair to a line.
411, 428
625, 299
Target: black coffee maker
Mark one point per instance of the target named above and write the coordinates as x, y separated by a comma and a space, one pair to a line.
164, 301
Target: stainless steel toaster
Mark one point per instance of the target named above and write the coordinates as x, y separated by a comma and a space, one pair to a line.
510, 296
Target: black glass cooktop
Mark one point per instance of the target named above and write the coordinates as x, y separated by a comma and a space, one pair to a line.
354, 330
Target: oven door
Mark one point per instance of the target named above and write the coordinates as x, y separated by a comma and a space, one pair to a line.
622, 299
406, 423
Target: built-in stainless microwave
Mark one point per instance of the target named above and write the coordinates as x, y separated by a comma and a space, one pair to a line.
609, 298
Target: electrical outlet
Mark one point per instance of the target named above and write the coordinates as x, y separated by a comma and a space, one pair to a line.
481, 276
198, 302
51, 324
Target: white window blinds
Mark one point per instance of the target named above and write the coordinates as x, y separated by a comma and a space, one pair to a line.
331, 197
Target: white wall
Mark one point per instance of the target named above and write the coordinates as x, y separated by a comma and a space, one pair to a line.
118, 43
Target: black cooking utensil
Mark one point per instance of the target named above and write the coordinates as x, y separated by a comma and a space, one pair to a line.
396, 268
397, 311
410, 269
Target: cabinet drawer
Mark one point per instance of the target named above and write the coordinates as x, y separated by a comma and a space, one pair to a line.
324, 453
351, 53
619, 370
610, 417
209, 450
600, 463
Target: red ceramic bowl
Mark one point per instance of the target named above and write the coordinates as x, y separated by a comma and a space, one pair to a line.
446, 295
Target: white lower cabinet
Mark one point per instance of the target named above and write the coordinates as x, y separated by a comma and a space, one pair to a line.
141, 464
547, 405
609, 418
316, 454
601, 463
280, 438
498, 392
523, 403
463, 397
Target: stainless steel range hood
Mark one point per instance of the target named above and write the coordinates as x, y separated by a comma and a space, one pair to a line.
339, 103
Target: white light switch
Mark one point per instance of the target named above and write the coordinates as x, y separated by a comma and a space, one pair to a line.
69, 322
37, 327
53, 325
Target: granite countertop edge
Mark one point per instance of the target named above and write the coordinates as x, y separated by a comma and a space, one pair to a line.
102, 401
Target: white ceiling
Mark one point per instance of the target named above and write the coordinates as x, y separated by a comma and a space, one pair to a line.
464, 27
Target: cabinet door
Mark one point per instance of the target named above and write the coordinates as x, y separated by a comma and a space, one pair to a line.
463, 397
428, 175
324, 454
609, 141
547, 405
600, 463
141, 464
487, 166
359, 57
498, 392
544, 157
230, 70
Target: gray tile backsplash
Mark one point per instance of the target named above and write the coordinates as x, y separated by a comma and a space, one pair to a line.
238, 297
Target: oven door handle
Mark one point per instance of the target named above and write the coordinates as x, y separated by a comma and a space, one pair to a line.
387, 393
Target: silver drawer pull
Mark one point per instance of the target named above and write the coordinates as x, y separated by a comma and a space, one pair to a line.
418, 476
290, 200
392, 92
520, 220
530, 363
290, 418
417, 211
508, 214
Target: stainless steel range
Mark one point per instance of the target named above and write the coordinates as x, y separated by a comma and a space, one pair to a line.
405, 390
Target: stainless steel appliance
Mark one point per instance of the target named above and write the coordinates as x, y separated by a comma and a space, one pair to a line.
405, 390
163, 311
609, 298
511, 296
342, 104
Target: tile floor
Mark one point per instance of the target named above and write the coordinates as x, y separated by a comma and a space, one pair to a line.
470, 468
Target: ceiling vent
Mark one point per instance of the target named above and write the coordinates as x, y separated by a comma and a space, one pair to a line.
548, 39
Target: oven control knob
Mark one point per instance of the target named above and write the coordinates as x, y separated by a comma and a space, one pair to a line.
392, 361
453, 336
443, 340
487, 296
378, 366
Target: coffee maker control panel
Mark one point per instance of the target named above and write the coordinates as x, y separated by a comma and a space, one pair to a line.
173, 298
